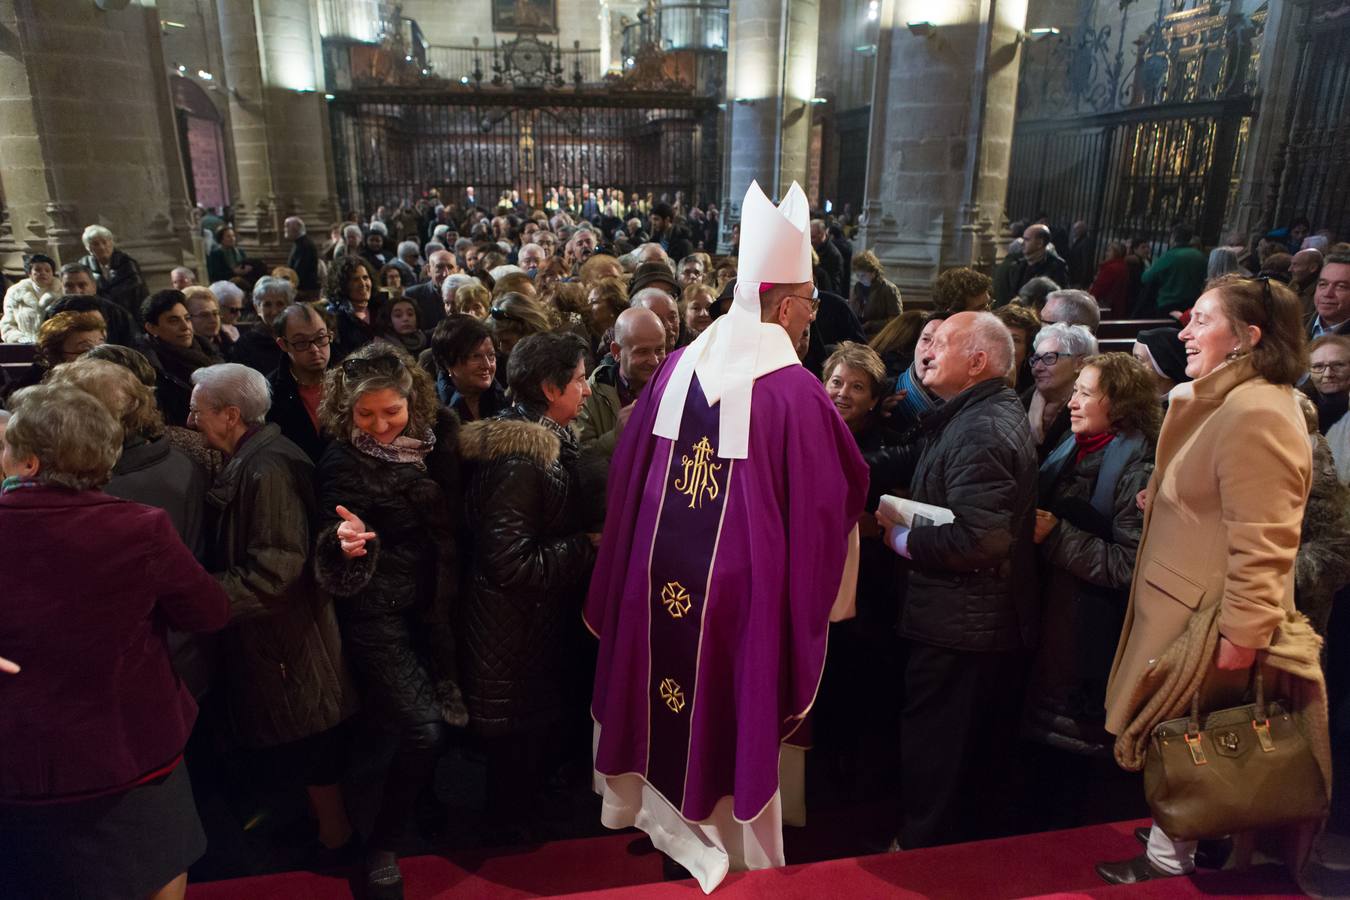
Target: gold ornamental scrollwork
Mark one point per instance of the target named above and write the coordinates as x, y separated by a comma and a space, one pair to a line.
676, 600
698, 481
672, 694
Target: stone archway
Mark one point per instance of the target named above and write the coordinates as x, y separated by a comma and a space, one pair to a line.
201, 134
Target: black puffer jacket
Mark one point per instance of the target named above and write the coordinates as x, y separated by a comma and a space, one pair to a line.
530, 562
1087, 566
971, 583
412, 566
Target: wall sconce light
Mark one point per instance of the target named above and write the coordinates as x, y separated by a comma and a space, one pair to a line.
873, 10
921, 29
165, 25
304, 90
1040, 34
816, 101
329, 97
205, 75
743, 101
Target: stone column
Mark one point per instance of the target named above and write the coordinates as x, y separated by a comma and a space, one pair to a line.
771, 78
87, 135
941, 136
278, 117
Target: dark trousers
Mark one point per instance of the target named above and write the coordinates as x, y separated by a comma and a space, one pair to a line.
957, 732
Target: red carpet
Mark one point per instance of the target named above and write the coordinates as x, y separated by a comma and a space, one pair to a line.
1054, 864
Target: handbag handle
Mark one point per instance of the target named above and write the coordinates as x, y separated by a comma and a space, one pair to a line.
1193, 726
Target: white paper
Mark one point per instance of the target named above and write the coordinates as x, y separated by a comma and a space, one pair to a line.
913, 514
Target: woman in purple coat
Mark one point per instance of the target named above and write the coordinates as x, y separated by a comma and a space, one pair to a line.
94, 798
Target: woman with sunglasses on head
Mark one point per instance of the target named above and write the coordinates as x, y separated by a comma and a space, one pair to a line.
512, 318
1056, 360
1224, 509
388, 494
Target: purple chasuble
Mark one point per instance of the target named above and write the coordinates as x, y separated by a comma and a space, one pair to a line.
713, 587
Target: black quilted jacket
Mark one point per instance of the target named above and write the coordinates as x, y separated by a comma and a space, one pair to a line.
528, 569
972, 584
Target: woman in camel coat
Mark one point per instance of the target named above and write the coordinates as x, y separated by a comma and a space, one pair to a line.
1224, 511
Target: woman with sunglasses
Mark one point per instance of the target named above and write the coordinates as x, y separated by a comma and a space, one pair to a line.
512, 318
388, 491
1224, 508
1056, 360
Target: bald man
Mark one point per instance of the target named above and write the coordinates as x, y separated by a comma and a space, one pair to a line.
667, 310
639, 346
970, 612
427, 295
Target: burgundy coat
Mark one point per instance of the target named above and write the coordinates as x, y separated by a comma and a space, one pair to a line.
90, 585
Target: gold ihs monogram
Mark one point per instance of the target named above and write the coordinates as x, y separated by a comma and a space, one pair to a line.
698, 481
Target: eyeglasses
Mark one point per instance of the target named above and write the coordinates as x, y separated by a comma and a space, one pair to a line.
378, 365
813, 301
319, 340
1319, 368
1047, 359
232, 309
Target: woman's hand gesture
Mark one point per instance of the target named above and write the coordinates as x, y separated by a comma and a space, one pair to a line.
352, 534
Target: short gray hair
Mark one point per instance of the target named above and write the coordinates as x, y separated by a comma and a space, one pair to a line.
95, 231
407, 247
270, 284
989, 335
74, 437
1079, 308
455, 282
1073, 339
232, 384
223, 289
352, 229
297, 220
432, 246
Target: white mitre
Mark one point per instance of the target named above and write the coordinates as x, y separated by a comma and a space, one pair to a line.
738, 348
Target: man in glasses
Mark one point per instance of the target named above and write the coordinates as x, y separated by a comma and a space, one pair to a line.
304, 337
724, 558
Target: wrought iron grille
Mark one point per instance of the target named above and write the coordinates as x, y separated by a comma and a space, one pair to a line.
1313, 168
1134, 139
389, 146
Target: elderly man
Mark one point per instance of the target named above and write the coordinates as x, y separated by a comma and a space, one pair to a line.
297, 383
652, 253
530, 258
427, 295
284, 678
1072, 307
639, 346
77, 280
304, 258
970, 611
1037, 259
831, 261
664, 306
257, 345
692, 271
580, 248
182, 278
204, 311
408, 260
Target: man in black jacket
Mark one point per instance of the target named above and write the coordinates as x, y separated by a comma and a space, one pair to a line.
427, 295
674, 239
970, 612
304, 258
831, 261
297, 384
1038, 258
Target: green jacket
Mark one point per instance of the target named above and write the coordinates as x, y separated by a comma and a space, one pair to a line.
600, 413
1179, 278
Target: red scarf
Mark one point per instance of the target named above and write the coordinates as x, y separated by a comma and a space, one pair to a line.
1090, 443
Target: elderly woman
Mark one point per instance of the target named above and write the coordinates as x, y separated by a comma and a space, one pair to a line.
696, 303
116, 274
286, 688
473, 299
173, 348
257, 345
606, 299
855, 380
1059, 352
1088, 529
94, 797
450, 292
1329, 371
204, 311
530, 563
231, 298
226, 260
66, 336
351, 292
386, 550
466, 366
398, 322
27, 299
1225, 508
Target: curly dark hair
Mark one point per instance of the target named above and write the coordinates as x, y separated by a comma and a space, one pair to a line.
1132, 392
335, 292
375, 367
955, 287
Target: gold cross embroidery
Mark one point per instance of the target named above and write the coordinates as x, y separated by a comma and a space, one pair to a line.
698, 481
676, 599
672, 694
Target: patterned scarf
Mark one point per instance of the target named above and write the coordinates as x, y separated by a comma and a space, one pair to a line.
403, 449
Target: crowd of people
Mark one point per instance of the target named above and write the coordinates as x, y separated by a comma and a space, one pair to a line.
368, 488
